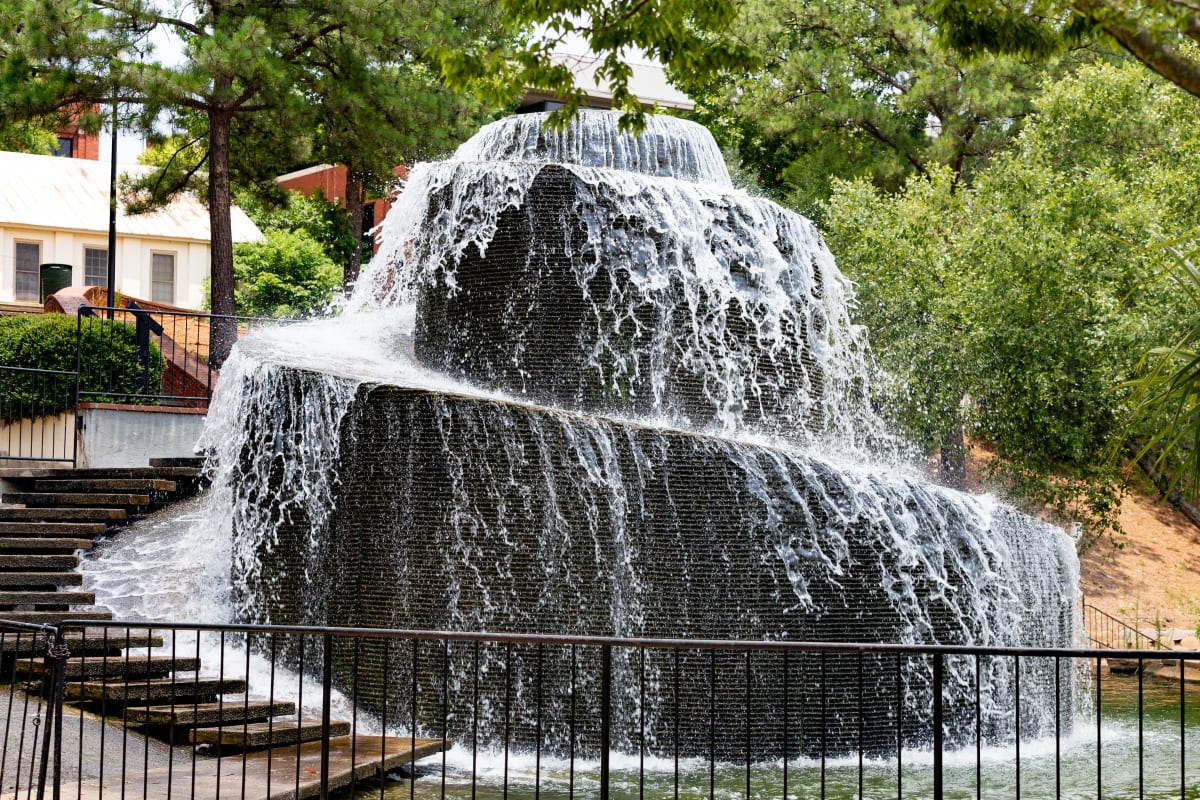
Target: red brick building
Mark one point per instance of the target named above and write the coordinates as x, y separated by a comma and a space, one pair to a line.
331, 180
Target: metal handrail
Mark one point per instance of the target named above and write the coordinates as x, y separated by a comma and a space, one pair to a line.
1109, 621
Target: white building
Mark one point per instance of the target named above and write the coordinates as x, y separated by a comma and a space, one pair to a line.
55, 211
648, 83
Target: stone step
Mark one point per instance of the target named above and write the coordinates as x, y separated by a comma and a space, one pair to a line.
9, 544
42, 499
35, 473
34, 580
108, 515
79, 644
89, 529
104, 485
157, 689
38, 562
53, 617
178, 462
47, 599
271, 733
189, 715
138, 666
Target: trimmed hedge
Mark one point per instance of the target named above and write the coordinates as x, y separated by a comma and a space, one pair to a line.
48, 341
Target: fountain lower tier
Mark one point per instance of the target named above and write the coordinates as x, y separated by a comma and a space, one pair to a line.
456, 513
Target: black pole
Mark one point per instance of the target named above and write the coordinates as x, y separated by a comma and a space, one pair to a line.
938, 679
605, 717
112, 215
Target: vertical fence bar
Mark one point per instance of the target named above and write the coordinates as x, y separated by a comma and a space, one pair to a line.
899, 731
507, 709
786, 704
326, 691
675, 726
748, 699
1099, 742
712, 724
1017, 719
605, 716
537, 755
1141, 747
938, 733
1057, 729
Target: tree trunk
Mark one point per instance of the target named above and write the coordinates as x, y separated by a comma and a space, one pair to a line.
952, 467
354, 207
223, 332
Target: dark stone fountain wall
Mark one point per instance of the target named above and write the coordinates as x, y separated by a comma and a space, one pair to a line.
461, 514
576, 305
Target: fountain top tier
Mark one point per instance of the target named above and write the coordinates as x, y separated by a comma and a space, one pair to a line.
591, 270
668, 147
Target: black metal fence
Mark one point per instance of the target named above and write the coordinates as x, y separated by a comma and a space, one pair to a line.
150, 357
170, 344
193, 710
37, 414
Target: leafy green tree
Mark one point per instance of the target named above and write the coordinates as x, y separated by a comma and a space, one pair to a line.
1162, 35
27, 138
689, 37
240, 60
51, 342
850, 89
320, 219
287, 274
1013, 307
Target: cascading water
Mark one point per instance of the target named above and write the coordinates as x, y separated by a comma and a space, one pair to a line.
588, 387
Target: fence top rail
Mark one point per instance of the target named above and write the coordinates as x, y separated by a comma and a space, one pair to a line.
7, 368
8, 626
88, 310
600, 641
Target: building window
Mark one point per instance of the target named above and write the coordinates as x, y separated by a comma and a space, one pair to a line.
28, 256
66, 147
95, 266
162, 278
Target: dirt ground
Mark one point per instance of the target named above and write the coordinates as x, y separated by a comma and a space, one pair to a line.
1155, 574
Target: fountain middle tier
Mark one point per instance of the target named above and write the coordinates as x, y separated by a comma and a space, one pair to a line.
446, 512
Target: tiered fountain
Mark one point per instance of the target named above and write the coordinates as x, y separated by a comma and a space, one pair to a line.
588, 387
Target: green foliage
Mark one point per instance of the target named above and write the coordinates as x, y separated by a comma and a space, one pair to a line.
848, 90
1162, 35
49, 341
321, 220
26, 138
689, 37
286, 275
1012, 307
1166, 394
253, 78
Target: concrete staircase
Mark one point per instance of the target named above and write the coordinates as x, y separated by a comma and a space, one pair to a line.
50, 516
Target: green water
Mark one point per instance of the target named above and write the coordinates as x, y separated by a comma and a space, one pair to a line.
1118, 771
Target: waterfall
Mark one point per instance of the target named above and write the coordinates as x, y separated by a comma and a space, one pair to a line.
588, 387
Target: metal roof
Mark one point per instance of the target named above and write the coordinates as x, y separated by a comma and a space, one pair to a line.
72, 194
648, 83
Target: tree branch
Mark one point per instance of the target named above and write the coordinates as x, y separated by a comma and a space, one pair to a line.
1143, 45
156, 19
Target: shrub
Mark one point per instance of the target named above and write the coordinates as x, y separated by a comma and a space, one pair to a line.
109, 368
285, 275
